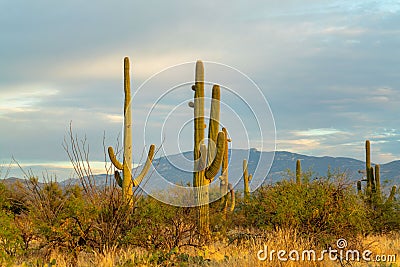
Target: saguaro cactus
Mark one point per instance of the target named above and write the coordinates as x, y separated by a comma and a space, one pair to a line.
373, 189
368, 169
206, 161
359, 188
298, 172
391, 196
377, 179
246, 179
225, 186
127, 182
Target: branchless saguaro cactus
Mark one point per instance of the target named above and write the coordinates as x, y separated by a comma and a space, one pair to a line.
127, 182
246, 179
207, 160
298, 172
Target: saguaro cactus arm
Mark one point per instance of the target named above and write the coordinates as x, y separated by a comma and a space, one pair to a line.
224, 164
224, 183
213, 169
119, 166
114, 160
118, 178
146, 167
213, 123
372, 178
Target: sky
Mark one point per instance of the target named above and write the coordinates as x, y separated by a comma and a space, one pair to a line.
328, 69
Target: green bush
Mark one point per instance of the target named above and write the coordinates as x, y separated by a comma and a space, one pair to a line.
161, 226
322, 209
11, 243
384, 216
72, 219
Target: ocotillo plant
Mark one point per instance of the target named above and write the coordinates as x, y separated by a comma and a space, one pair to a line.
206, 161
127, 182
246, 179
298, 172
225, 186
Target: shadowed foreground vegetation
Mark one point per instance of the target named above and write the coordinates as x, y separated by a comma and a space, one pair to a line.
44, 224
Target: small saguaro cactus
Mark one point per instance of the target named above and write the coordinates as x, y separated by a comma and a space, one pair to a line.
298, 172
225, 186
127, 182
373, 188
391, 196
207, 161
232, 193
246, 179
359, 187
377, 179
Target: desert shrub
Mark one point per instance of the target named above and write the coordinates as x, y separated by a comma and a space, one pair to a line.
56, 215
322, 209
161, 226
11, 243
384, 216
68, 220
113, 219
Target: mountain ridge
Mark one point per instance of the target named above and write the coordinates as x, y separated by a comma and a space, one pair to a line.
177, 168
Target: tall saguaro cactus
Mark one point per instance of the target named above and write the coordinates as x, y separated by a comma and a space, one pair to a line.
127, 182
246, 179
207, 161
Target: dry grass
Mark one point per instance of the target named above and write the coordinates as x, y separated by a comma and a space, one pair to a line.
240, 251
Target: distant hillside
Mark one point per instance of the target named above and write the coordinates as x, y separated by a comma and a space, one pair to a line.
281, 163
176, 169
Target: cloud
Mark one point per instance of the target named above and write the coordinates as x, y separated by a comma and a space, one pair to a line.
329, 69
317, 132
56, 169
110, 66
114, 118
342, 30
23, 97
297, 145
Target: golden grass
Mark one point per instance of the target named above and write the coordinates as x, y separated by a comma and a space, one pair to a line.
221, 253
